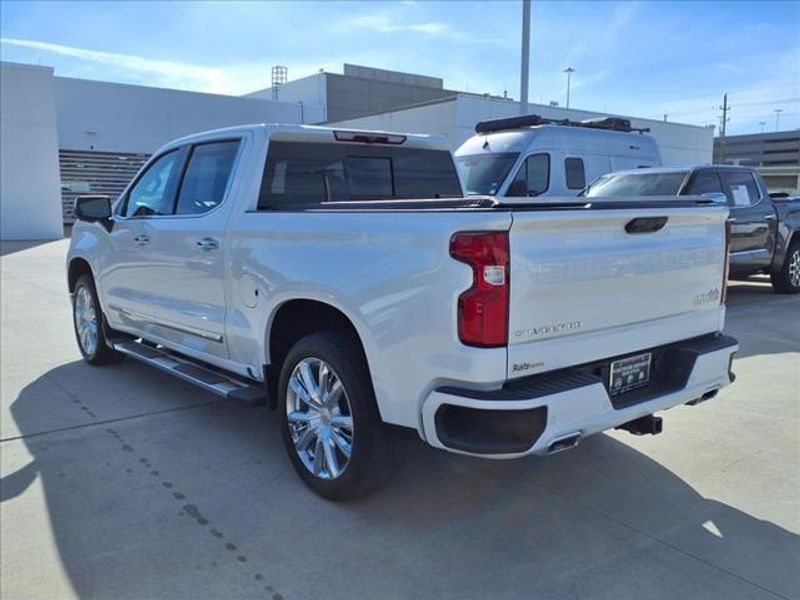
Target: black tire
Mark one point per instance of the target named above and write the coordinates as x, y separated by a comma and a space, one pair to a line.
787, 280
377, 449
98, 353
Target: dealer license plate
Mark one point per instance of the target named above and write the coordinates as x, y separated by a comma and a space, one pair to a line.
629, 374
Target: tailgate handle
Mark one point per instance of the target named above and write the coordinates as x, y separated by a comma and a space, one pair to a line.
645, 224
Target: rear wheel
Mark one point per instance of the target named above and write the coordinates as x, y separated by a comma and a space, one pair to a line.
331, 427
787, 280
87, 319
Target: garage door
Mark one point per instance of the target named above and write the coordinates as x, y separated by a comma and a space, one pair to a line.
88, 172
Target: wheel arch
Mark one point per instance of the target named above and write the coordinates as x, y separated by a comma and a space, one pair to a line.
783, 245
78, 267
294, 319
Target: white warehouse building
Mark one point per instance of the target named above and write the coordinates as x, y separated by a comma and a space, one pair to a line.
62, 137
456, 116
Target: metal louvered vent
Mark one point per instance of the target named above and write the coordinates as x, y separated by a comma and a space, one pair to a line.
89, 172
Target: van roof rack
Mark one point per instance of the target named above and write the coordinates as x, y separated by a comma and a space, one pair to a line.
607, 123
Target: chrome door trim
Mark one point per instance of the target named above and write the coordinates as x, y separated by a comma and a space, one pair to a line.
140, 318
206, 335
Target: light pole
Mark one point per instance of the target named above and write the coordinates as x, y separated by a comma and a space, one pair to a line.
569, 71
778, 112
762, 123
526, 56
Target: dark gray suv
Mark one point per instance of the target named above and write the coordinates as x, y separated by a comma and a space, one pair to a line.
765, 231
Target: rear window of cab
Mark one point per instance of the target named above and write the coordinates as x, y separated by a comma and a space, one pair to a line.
302, 173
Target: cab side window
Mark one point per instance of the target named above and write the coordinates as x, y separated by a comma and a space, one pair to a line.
154, 193
533, 176
740, 188
575, 173
206, 177
704, 182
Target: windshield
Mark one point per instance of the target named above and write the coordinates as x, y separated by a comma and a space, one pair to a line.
637, 184
484, 173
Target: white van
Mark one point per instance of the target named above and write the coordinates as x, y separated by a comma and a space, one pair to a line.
533, 156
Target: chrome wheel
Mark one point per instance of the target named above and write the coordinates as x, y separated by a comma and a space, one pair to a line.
319, 417
794, 268
85, 320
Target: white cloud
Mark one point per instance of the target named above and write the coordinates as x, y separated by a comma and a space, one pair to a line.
235, 79
169, 73
383, 23
213, 80
607, 39
579, 81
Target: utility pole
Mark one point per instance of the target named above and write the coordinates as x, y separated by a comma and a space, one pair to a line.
569, 71
722, 142
526, 56
778, 112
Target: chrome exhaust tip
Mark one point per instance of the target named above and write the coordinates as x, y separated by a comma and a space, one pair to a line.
565, 442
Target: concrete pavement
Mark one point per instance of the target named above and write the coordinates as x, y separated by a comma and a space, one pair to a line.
121, 482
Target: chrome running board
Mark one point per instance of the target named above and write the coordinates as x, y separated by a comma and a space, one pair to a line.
210, 379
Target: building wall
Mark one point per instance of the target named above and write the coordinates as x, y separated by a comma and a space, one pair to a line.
780, 148
359, 91
435, 117
680, 144
352, 96
106, 129
95, 115
312, 91
30, 207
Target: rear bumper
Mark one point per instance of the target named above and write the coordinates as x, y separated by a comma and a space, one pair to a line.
527, 416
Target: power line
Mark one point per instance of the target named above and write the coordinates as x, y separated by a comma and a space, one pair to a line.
714, 108
771, 115
743, 91
765, 102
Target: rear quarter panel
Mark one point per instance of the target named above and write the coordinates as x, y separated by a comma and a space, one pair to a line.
390, 273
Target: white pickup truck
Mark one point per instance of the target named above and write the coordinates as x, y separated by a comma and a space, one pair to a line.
342, 277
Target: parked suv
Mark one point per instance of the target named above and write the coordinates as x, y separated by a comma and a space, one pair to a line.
765, 230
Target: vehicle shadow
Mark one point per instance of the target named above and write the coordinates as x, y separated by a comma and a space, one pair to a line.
8, 247
752, 307
202, 502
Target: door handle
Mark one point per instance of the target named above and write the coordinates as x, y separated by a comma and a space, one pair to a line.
141, 239
208, 244
770, 217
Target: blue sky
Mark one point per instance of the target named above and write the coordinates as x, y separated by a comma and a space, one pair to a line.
638, 58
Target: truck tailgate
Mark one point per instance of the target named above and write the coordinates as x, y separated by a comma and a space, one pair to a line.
584, 288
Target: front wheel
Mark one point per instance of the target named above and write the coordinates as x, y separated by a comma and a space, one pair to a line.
332, 431
787, 280
87, 319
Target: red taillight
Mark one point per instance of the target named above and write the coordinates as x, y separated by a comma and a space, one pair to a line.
483, 308
726, 272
